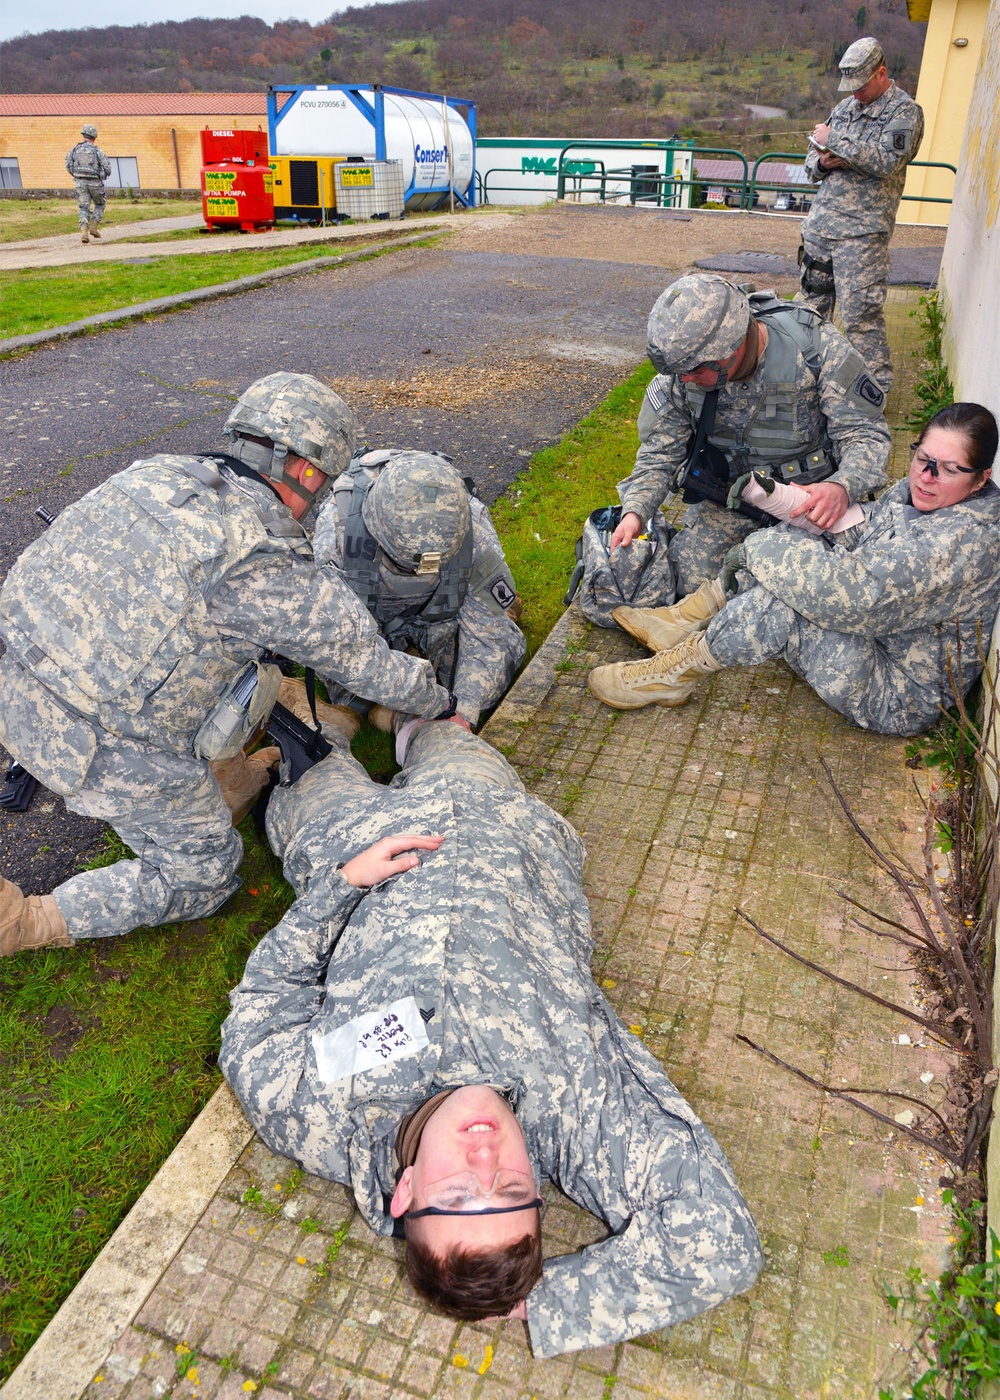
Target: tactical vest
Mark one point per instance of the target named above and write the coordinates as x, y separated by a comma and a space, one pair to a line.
771, 438
85, 161
408, 609
108, 610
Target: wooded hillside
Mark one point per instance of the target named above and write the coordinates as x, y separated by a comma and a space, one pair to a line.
593, 67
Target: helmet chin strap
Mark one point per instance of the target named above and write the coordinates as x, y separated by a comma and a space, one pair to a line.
268, 460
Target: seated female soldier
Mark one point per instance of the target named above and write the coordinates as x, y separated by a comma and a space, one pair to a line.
873, 617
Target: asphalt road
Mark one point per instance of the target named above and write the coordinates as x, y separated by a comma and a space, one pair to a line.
488, 357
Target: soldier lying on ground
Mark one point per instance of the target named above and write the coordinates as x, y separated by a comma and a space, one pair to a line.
133, 626
873, 617
435, 1041
775, 389
421, 553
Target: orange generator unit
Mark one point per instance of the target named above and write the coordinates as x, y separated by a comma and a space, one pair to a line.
237, 186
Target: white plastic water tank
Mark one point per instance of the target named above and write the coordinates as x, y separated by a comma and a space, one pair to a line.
324, 121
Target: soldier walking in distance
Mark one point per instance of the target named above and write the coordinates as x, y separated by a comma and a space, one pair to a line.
90, 167
139, 630
765, 385
859, 155
420, 551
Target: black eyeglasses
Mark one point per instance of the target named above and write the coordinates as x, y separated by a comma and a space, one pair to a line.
536, 1204
932, 465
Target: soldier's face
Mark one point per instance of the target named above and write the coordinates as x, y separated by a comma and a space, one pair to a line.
707, 376
875, 86
473, 1131
949, 450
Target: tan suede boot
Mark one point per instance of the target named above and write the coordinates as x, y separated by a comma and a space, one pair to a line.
662, 628
338, 717
667, 678
380, 717
95, 232
242, 779
84, 237
32, 922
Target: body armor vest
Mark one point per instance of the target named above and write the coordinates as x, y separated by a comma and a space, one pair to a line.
410, 609
771, 439
85, 161
108, 610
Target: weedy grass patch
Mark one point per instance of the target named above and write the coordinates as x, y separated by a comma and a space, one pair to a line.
108, 1049
42, 218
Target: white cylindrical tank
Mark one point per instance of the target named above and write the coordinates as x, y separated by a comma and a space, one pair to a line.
419, 132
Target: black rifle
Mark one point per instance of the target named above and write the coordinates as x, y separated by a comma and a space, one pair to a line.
301, 747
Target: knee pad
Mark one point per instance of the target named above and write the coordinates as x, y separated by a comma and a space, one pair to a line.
817, 274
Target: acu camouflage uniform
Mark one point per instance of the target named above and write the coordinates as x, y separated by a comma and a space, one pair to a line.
89, 167
853, 214
457, 618
871, 622
490, 938
125, 623
808, 407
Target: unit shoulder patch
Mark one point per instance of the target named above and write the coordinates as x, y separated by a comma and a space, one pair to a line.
502, 592
865, 389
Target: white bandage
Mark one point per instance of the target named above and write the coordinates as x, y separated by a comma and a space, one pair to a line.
783, 500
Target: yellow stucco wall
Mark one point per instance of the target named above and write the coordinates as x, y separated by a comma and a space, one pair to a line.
970, 289
40, 145
947, 75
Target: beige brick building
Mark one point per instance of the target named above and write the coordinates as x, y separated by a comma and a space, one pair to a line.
151, 138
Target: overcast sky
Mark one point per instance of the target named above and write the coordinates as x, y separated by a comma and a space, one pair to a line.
71, 14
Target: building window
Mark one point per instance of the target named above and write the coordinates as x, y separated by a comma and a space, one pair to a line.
10, 173
124, 172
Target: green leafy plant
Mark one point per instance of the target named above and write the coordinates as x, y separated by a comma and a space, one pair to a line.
957, 1347
838, 1257
934, 388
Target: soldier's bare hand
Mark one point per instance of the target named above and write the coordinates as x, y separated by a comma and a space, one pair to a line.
831, 162
820, 135
461, 721
390, 856
628, 527
826, 503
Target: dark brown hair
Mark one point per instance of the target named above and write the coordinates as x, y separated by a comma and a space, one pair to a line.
471, 1284
976, 424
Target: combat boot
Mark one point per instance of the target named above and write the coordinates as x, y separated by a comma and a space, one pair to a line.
95, 232
32, 922
383, 719
242, 779
340, 718
84, 237
662, 628
667, 678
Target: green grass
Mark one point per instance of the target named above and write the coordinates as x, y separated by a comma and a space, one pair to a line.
41, 218
38, 298
107, 1052
540, 517
107, 1049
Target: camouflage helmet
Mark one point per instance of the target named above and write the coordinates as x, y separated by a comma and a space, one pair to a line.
699, 319
90, 131
860, 62
418, 511
295, 413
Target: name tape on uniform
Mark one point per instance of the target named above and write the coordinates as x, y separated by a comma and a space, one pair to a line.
370, 1040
